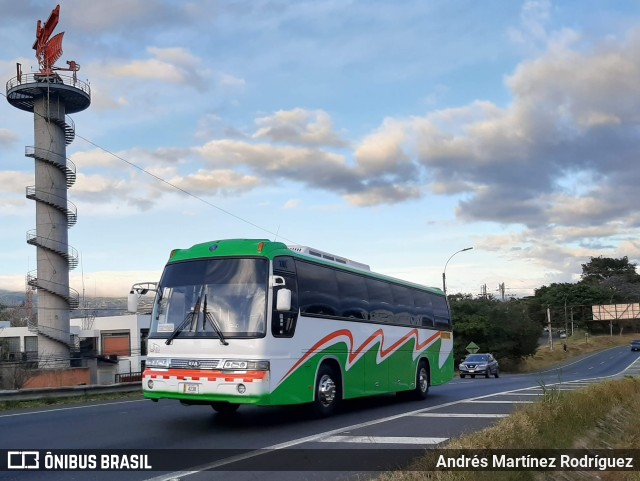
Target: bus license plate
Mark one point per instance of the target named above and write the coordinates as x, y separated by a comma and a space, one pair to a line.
190, 388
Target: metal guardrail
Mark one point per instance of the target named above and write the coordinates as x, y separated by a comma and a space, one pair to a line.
36, 394
129, 377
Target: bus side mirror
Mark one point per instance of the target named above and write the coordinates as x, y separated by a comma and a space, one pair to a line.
137, 290
283, 300
132, 301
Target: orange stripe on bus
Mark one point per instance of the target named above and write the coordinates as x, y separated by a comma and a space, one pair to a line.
194, 374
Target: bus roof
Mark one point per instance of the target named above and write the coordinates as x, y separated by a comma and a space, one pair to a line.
270, 249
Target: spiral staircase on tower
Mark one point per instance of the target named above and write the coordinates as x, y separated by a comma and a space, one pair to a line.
68, 253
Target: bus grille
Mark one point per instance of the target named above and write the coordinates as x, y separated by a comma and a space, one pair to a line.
195, 363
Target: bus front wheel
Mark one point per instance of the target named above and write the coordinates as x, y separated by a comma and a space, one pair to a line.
327, 392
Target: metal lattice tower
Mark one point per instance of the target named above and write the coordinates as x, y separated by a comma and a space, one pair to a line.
51, 96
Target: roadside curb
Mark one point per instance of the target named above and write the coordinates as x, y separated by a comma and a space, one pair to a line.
36, 394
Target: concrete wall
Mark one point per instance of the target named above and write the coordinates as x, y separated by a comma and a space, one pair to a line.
74, 376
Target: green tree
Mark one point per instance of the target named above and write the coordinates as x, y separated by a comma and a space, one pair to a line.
503, 328
561, 298
600, 268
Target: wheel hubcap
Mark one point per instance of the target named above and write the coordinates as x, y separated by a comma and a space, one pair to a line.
326, 390
423, 380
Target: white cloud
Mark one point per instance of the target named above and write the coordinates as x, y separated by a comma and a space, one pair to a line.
95, 158
292, 204
534, 17
7, 137
14, 283
14, 182
211, 182
162, 68
299, 127
383, 151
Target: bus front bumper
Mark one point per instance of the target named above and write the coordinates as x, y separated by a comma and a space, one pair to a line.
242, 387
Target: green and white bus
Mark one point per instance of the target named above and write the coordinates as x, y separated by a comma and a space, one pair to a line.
257, 322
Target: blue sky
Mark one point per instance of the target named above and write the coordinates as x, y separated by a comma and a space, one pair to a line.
392, 133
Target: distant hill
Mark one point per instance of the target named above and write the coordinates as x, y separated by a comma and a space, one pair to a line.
9, 298
97, 306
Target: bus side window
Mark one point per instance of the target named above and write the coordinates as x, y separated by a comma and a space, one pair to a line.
424, 309
354, 299
403, 300
441, 312
380, 301
318, 290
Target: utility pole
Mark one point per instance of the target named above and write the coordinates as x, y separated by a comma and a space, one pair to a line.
501, 288
572, 320
566, 327
549, 327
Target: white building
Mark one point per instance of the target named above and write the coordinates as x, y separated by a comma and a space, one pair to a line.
114, 345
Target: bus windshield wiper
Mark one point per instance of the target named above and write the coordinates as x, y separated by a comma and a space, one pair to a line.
207, 316
187, 319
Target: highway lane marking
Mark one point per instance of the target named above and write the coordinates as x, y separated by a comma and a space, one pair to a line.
460, 415
70, 408
487, 401
307, 439
558, 387
383, 440
522, 394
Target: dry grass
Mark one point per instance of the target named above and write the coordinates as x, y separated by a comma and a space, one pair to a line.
599, 417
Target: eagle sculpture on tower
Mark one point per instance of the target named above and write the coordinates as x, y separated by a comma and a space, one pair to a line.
49, 49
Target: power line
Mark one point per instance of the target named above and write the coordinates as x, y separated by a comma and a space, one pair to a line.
180, 189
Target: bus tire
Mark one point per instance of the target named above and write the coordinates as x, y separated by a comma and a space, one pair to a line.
223, 407
422, 381
328, 393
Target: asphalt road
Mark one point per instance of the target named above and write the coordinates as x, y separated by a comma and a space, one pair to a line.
195, 439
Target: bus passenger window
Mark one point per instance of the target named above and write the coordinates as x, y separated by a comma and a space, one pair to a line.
441, 312
424, 309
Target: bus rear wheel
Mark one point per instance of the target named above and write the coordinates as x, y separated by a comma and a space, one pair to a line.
422, 381
223, 407
327, 391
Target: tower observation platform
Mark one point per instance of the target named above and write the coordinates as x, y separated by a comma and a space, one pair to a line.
24, 89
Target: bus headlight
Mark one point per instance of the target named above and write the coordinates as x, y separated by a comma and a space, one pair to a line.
158, 362
246, 365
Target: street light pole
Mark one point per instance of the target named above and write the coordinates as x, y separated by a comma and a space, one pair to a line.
444, 277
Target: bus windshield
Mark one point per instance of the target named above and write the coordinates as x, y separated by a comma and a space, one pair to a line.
206, 298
